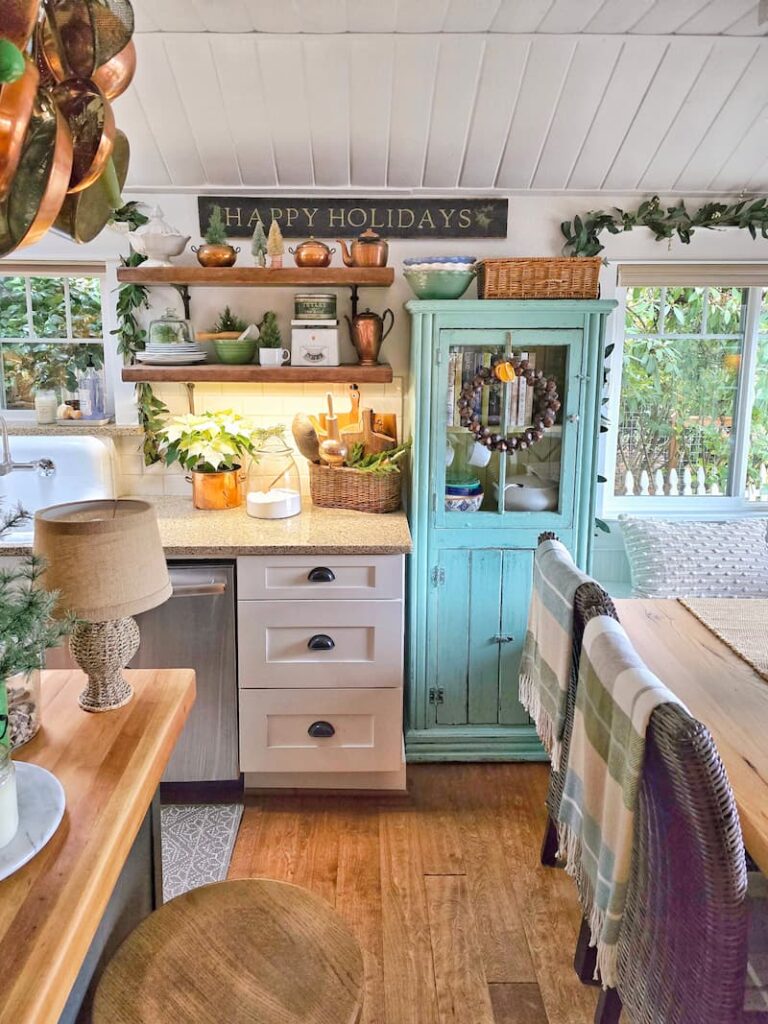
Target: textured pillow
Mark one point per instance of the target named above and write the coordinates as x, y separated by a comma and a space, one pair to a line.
692, 558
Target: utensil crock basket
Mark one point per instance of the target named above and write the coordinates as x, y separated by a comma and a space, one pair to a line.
567, 277
342, 487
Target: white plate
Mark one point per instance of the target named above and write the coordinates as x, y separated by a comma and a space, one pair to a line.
41, 808
158, 360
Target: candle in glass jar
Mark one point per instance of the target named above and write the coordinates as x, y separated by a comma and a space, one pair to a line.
45, 406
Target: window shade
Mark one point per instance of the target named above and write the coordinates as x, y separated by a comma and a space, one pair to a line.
9, 268
692, 275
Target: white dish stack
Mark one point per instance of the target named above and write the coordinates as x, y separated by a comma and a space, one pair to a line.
177, 353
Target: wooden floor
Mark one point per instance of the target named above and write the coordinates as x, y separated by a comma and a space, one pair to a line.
458, 921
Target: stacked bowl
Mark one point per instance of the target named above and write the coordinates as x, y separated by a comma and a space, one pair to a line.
439, 277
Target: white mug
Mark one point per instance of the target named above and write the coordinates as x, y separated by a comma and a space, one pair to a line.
273, 356
479, 455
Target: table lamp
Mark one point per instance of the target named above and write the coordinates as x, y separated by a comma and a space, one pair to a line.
106, 561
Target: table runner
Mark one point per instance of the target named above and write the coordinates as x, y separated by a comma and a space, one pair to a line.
741, 623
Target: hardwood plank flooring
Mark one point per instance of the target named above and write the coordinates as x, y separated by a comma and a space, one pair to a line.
458, 921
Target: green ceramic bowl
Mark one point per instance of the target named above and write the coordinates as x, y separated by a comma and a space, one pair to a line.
234, 351
439, 284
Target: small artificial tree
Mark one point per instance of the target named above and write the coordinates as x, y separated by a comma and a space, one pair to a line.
269, 332
259, 245
216, 233
275, 246
228, 323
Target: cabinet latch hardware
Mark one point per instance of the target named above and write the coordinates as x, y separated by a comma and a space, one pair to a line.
321, 730
321, 574
436, 695
583, 376
503, 638
321, 642
438, 576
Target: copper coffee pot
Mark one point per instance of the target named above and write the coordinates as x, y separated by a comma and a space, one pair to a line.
369, 250
367, 333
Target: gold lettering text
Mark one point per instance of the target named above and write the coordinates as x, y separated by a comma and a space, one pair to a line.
310, 215
446, 215
465, 218
401, 222
231, 216
335, 217
291, 214
374, 222
426, 218
359, 217
254, 219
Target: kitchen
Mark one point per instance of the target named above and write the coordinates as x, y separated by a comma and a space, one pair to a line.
303, 385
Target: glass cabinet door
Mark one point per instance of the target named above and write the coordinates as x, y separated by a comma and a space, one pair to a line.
533, 479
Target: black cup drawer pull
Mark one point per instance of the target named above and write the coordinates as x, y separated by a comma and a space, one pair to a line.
321, 642
322, 574
321, 730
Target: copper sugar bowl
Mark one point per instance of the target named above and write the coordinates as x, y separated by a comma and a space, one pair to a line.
208, 255
312, 253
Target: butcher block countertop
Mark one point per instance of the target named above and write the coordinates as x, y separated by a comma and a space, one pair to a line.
190, 533
110, 767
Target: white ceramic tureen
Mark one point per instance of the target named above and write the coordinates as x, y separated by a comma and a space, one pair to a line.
157, 240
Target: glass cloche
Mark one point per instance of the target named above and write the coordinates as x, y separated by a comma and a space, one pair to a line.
170, 329
274, 491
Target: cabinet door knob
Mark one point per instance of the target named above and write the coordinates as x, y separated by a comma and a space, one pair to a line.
321, 730
321, 642
321, 574
503, 638
573, 418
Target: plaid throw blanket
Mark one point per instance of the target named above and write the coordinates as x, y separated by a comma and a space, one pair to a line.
615, 697
545, 669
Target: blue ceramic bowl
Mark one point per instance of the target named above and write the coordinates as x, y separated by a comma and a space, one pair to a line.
455, 490
438, 259
439, 284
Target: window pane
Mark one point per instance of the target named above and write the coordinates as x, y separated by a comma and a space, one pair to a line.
85, 301
13, 308
757, 467
49, 317
643, 310
684, 310
678, 398
32, 366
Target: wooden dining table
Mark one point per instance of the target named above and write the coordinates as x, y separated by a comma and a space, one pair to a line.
721, 690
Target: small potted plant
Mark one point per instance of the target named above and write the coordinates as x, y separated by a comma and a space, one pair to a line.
259, 245
271, 352
213, 446
216, 252
234, 340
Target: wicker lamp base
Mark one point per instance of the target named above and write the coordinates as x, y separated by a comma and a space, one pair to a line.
102, 650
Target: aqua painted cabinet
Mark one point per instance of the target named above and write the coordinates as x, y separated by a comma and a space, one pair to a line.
469, 578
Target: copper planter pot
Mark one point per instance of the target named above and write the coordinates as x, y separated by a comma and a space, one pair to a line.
215, 255
217, 490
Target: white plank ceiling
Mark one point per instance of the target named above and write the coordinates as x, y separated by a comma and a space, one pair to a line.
666, 96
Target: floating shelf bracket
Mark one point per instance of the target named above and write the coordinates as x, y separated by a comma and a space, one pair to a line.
190, 388
183, 290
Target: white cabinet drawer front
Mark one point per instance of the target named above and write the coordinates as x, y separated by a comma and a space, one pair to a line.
320, 643
329, 577
320, 730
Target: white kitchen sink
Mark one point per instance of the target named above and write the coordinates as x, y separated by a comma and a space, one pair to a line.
85, 470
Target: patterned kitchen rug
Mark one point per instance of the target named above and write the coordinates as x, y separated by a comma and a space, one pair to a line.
197, 841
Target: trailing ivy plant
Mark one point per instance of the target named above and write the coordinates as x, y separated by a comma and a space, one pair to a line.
131, 338
582, 234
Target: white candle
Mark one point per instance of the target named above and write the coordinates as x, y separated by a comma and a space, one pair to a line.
45, 406
9, 805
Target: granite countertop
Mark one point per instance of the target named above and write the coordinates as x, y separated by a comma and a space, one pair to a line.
75, 428
191, 533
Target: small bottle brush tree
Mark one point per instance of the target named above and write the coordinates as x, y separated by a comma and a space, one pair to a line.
275, 246
259, 245
269, 332
215, 233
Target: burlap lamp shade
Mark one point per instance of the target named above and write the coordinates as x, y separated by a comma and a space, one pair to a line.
106, 560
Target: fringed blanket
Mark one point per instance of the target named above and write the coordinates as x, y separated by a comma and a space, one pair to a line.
615, 697
545, 668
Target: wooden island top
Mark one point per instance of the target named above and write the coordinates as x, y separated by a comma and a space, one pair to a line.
110, 766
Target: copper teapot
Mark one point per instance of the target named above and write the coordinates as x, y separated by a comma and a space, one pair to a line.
367, 333
369, 250
312, 253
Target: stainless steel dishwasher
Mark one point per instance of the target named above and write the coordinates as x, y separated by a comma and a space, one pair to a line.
195, 629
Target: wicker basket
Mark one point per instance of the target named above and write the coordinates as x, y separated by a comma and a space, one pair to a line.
567, 277
349, 488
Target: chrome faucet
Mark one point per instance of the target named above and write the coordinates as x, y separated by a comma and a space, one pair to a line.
45, 467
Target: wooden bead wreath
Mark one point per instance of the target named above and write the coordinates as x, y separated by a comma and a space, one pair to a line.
546, 403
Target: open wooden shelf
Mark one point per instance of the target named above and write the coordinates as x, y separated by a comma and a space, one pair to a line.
260, 277
221, 373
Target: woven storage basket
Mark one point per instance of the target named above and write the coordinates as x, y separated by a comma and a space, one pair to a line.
567, 277
343, 487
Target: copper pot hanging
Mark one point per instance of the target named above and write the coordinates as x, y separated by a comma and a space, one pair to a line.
17, 100
79, 36
18, 20
92, 125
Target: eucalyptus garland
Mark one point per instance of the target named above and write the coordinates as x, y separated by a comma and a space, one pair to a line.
546, 403
582, 234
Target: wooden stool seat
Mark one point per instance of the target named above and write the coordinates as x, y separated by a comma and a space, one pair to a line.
254, 950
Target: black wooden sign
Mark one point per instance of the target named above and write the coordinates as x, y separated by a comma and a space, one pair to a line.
342, 218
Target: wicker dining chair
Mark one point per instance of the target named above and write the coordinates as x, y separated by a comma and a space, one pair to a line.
682, 954
590, 599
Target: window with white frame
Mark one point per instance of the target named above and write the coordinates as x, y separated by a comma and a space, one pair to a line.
689, 396
51, 328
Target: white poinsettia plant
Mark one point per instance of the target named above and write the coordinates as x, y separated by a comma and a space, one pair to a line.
208, 443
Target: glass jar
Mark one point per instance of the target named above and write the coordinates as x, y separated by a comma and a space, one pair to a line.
23, 707
170, 329
9, 804
46, 404
274, 491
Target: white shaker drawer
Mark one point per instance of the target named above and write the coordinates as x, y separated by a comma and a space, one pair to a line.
320, 643
329, 577
320, 730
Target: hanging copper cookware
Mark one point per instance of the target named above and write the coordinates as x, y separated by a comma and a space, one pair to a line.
18, 20
84, 214
92, 126
79, 36
114, 77
40, 184
17, 100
